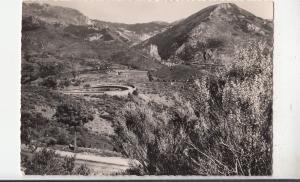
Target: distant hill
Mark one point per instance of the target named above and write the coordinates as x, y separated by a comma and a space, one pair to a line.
209, 36
65, 38
129, 33
134, 33
54, 14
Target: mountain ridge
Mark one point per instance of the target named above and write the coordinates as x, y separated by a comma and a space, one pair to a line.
206, 34
54, 14
209, 36
130, 33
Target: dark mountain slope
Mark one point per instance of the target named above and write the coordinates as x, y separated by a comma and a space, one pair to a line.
208, 36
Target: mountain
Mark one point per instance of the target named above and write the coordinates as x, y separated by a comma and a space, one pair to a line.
65, 38
209, 36
133, 33
54, 14
129, 33
50, 27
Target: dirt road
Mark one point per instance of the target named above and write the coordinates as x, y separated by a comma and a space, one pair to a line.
99, 164
124, 92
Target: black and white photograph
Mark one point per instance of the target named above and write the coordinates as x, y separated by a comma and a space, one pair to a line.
147, 88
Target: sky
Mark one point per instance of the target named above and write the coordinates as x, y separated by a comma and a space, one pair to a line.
141, 11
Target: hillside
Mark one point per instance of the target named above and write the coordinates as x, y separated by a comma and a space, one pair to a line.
207, 39
134, 33
210, 36
130, 33
54, 14
66, 39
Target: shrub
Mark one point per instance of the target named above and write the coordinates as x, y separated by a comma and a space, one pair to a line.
152, 141
30, 124
221, 126
47, 162
49, 82
76, 83
82, 170
63, 138
239, 112
87, 86
64, 83
49, 141
135, 92
50, 69
29, 71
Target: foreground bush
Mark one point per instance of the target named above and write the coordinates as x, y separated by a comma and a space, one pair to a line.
222, 125
47, 162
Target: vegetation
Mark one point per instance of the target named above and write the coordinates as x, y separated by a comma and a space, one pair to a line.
223, 128
86, 86
47, 162
49, 82
65, 82
135, 92
31, 123
74, 115
204, 109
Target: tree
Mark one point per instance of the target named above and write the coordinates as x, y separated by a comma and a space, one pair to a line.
74, 115
30, 124
150, 77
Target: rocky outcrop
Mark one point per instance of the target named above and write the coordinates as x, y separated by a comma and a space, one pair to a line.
154, 52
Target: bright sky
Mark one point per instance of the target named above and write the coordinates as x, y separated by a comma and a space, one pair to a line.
141, 11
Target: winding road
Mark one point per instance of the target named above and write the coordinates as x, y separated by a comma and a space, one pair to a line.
112, 90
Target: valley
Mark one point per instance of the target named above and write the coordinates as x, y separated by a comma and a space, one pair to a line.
165, 95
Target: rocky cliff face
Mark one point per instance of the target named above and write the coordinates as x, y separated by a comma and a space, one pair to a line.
154, 52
